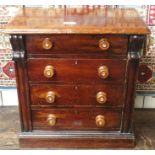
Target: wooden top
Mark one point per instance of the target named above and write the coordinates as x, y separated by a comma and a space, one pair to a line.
80, 20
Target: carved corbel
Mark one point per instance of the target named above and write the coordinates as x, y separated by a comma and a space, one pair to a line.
137, 45
17, 43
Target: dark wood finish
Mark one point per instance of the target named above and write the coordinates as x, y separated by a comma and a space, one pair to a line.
85, 65
67, 21
76, 70
77, 140
76, 119
74, 95
136, 46
76, 44
17, 42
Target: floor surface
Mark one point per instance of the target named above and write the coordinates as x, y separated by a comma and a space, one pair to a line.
9, 128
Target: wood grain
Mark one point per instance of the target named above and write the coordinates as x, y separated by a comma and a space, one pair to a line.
137, 45
75, 95
66, 21
76, 118
76, 70
77, 140
22, 83
76, 44
75, 57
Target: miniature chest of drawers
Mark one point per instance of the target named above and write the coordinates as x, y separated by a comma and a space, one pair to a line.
76, 72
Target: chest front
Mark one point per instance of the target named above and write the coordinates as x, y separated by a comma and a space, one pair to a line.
76, 84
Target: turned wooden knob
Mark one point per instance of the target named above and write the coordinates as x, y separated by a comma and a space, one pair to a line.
49, 71
104, 44
47, 44
51, 119
103, 72
101, 97
100, 120
50, 97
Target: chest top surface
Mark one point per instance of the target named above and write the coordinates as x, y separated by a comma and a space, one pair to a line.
80, 21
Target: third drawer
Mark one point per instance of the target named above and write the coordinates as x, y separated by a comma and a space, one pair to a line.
57, 95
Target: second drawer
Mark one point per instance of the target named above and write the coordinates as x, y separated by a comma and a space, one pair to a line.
77, 70
77, 95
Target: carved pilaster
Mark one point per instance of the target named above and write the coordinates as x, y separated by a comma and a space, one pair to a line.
19, 57
135, 50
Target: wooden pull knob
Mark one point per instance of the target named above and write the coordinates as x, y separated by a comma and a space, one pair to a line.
104, 44
103, 72
49, 71
51, 119
47, 44
50, 97
101, 97
100, 120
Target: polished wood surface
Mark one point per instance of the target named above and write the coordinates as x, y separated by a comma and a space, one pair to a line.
77, 140
76, 70
76, 119
21, 82
75, 95
76, 75
84, 21
77, 44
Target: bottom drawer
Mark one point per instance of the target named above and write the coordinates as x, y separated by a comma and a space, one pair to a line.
76, 119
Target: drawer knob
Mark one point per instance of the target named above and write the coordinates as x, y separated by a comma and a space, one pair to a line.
47, 44
49, 71
51, 119
100, 120
104, 44
50, 97
103, 72
101, 97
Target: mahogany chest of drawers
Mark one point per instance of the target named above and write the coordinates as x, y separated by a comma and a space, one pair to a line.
76, 74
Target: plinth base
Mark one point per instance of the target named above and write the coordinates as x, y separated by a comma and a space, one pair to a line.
76, 140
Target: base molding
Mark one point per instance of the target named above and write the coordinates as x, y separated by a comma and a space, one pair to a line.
76, 140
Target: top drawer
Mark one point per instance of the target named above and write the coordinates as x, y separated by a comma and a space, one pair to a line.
76, 44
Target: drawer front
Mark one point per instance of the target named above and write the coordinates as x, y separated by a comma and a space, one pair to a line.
76, 119
63, 44
76, 95
76, 70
